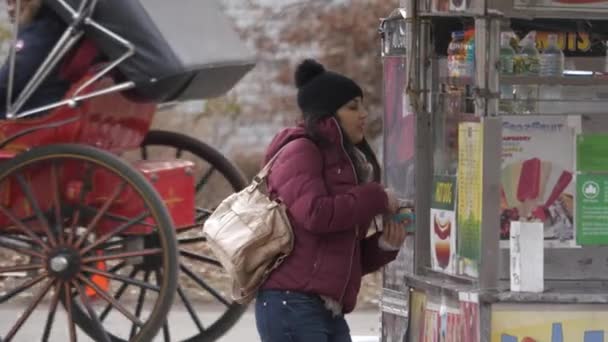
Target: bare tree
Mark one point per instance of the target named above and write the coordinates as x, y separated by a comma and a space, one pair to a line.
342, 35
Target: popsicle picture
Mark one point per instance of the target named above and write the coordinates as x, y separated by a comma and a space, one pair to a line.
529, 188
509, 180
529, 180
545, 172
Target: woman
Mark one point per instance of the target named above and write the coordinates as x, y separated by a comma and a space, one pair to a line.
328, 177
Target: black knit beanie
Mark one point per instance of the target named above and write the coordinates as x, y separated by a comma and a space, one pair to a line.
321, 92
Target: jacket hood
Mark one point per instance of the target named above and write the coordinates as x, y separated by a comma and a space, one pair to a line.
328, 128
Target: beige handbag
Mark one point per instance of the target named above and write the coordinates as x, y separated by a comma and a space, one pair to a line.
250, 234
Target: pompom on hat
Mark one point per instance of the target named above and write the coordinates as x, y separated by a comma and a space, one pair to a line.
322, 92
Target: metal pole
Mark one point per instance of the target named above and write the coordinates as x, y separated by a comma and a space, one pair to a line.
481, 80
13, 54
493, 45
488, 33
424, 151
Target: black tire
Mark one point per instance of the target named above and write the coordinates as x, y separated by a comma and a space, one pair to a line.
209, 155
92, 159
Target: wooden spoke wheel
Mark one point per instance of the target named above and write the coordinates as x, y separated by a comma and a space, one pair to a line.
203, 310
80, 225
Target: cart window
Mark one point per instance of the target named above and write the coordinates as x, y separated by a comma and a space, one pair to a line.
399, 128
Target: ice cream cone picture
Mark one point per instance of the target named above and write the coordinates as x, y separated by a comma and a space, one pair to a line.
442, 227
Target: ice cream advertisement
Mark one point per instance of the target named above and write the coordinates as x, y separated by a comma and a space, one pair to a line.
537, 178
443, 225
469, 199
560, 5
549, 323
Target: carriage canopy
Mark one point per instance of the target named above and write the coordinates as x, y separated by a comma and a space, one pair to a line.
184, 50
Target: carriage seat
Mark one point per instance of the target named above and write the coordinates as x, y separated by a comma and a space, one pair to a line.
113, 121
74, 67
79, 61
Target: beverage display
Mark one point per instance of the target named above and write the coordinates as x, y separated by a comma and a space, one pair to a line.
457, 55
516, 58
527, 63
551, 65
470, 53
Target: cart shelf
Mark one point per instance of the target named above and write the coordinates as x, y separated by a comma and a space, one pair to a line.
444, 14
556, 294
566, 81
583, 81
508, 11
438, 282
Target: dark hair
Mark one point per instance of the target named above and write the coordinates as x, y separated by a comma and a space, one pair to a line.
311, 123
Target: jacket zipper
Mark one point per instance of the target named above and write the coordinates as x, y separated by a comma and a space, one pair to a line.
352, 252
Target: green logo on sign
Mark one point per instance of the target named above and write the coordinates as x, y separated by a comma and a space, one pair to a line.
591, 190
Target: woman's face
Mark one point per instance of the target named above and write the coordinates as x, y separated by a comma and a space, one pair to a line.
27, 10
11, 8
352, 118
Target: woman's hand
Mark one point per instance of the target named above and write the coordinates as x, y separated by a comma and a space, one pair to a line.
394, 233
393, 202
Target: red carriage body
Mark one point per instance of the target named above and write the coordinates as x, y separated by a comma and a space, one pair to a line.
110, 122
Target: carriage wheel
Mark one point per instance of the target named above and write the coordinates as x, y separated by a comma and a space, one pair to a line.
68, 245
202, 281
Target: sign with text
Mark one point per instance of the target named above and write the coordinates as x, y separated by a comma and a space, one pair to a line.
537, 176
470, 193
592, 209
443, 224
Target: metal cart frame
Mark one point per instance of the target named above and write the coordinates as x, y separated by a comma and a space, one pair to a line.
572, 275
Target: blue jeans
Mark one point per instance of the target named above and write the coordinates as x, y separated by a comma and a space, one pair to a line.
284, 316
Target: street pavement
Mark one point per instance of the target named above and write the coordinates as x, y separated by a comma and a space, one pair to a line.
364, 325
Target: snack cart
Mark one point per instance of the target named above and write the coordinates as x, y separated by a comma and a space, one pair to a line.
496, 127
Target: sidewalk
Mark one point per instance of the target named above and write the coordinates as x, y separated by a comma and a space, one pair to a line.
364, 325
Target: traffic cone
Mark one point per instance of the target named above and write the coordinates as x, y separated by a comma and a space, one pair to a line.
101, 281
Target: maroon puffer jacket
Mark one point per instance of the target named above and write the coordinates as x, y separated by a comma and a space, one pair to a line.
330, 215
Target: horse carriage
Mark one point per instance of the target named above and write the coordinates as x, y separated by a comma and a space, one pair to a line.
94, 221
